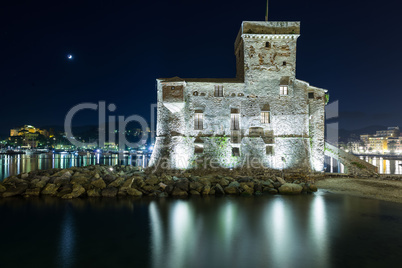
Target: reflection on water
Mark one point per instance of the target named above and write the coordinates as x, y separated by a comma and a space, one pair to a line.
67, 240
320, 230
16, 164
385, 165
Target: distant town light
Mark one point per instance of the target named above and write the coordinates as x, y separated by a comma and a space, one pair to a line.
70, 57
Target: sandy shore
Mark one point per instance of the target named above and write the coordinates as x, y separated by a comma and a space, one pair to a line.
387, 190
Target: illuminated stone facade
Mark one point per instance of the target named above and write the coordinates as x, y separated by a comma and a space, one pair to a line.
263, 114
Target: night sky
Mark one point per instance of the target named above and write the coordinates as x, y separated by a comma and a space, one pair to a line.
351, 48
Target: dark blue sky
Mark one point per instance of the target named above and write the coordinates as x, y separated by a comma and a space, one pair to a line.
351, 48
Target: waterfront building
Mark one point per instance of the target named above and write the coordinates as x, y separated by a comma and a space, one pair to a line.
390, 132
383, 142
263, 114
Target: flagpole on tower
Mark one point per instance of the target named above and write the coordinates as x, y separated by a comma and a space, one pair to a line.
266, 13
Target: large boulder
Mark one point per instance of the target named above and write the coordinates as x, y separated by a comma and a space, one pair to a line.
177, 191
247, 190
196, 186
313, 188
76, 192
194, 192
205, 181
96, 192
65, 189
15, 190
12, 181
282, 181
231, 190
50, 189
81, 180
152, 180
32, 192
61, 178
134, 192
183, 184
117, 182
224, 182
99, 183
109, 178
109, 192
219, 190
206, 190
290, 188
126, 185
39, 182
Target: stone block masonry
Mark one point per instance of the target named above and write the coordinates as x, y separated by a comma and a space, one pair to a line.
263, 115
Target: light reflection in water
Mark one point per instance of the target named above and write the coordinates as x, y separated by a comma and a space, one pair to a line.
67, 240
319, 230
16, 164
277, 230
386, 165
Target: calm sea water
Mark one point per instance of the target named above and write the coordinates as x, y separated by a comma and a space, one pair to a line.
319, 230
16, 164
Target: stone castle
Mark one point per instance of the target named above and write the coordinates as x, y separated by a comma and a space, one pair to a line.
263, 115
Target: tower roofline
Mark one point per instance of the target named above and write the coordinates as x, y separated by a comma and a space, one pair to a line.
268, 28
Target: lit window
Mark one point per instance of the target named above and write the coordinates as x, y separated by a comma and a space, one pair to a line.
198, 120
283, 90
218, 91
265, 118
234, 119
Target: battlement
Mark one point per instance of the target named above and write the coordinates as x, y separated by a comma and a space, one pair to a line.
268, 27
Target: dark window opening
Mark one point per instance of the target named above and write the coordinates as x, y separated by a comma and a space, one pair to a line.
269, 150
235, 152
267, 44
311, 95
198, 150
284, 63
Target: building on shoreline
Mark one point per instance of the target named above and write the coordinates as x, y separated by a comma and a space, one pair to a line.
386, 141
264, 114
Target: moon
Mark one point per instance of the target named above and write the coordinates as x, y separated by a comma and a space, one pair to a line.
69, 56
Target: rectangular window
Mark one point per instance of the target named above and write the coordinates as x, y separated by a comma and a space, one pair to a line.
218, 91
198, 121
198, 150
234, 122
311, 95
235, 137
269, 150
265, 118
283, 90
235, 151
